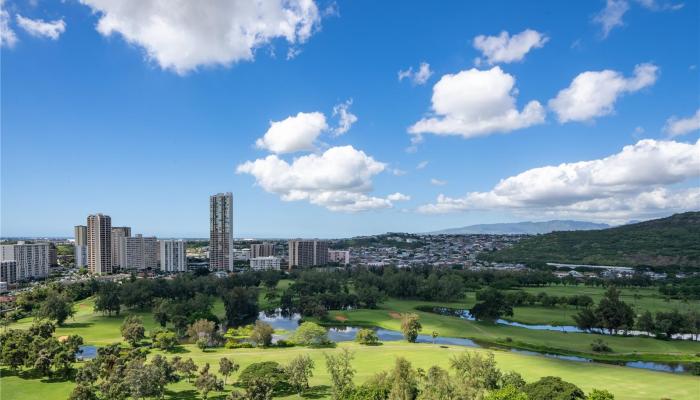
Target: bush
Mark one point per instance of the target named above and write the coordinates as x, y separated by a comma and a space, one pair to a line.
367, 337
284, 343
232, 344
599, 346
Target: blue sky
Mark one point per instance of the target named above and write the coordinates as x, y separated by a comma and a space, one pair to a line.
102, 112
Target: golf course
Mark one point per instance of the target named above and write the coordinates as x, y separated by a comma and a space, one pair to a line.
624, 382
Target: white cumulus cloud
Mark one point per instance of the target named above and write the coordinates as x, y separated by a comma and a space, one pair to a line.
680, 126
8, 38
182, 35
345, 117
632, 183
419, 77
593, 93
41, 28
476, 103
437, 182
398, 197
340, 179
611, 16
295, 133
507, 49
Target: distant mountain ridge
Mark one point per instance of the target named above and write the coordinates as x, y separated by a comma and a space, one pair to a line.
522, 228
670, 241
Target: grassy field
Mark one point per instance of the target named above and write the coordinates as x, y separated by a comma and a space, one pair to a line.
386, 316
641, 299
625, 383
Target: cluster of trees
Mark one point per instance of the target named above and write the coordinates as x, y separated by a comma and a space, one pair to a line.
118, 374
611, 314
36, 348
670, 323
686, 288
523, 298
475, 376
184, 299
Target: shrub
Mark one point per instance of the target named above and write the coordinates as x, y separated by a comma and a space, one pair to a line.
599, 346
284, 343
367, 337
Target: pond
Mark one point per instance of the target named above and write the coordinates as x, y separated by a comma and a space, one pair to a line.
289, 322
86, 353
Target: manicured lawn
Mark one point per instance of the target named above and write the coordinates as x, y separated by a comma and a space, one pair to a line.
625, 383
641, 347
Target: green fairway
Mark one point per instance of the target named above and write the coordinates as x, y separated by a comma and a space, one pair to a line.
623, 347
625, 383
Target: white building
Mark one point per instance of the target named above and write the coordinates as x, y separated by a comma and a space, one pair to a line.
32, 260
139, 252
339, 256
173, 255
81, 255
265, 263
241, 254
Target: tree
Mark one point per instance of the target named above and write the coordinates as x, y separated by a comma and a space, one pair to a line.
475, 371
207, 382
434, 335
107, 299
299, 370
670, 323
404, 384
340, 369
600, 395
259, 388
553, 388
241, 305
437, 385
410, 326
262, 334
161, 312
132, 330
508, 392
310, 334
203, 330
83, 392
612, 313
586, 319
187, 368
491, 305
56, 307
512, 378
645, 323
370, 296
227, 367
14, 348
164, 339
367, 337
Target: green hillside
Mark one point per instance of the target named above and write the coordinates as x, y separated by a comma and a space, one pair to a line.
672, 241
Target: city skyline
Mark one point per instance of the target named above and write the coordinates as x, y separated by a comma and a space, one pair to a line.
346, 125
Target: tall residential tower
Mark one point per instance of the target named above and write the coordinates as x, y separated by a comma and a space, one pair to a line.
221, 232
99, 235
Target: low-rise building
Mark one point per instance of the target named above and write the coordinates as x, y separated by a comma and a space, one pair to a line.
265, 263
339, 256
